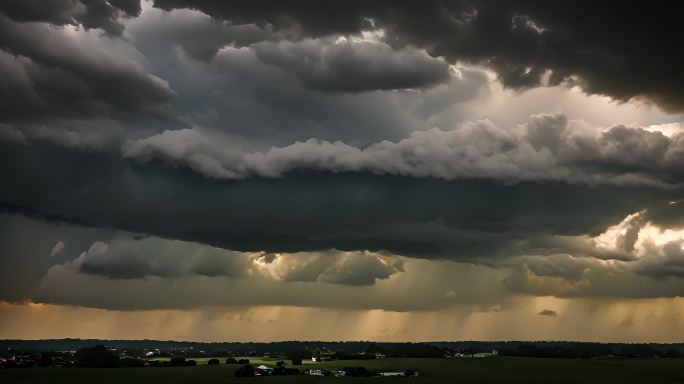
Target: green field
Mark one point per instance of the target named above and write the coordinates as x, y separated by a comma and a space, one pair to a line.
487, 370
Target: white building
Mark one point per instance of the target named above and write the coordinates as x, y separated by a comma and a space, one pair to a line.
487, 354
388, 374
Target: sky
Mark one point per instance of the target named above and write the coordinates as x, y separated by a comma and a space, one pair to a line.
344, 170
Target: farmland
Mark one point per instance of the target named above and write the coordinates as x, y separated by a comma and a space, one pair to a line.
488, 370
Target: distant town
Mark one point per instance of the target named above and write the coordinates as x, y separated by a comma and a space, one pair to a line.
297, 358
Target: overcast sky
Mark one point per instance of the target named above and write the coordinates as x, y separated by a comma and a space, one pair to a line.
386, 170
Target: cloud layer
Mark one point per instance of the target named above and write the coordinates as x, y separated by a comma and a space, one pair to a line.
459, 161
135, 259
527, 43
546, 148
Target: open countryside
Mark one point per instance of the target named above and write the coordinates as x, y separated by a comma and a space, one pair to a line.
498, 369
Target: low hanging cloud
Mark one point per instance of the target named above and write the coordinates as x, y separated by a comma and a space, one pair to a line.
652, 255
546, 148
334, 267
154, 257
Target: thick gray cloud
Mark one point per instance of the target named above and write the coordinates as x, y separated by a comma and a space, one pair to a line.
87, 13
50, 73
9, 134
200, 36
28, 248
547, 148
126, 258
261, 105
521, 40
663, 261
131, 259
176, 274
347, 66
462, 219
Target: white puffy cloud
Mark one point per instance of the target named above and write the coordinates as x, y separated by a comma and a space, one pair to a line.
649, 263
334, 267
547, 147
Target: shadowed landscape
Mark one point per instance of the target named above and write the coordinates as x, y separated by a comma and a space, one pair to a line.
500, 370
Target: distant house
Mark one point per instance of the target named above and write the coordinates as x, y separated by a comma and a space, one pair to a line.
389, 374
324, 355
317, 372
262, 370
487, 354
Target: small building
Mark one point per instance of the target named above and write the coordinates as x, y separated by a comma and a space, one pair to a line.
317, 372
324, 356
391, 374
339, 373
262, 370
487, 354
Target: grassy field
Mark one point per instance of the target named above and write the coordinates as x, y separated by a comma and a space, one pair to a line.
488, 370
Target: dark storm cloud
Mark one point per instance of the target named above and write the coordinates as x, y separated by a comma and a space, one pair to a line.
463, 219
126, 258
313, 144
47, 73
623, 51
353, 67
87, 13
134, 259
29, 247
200, 36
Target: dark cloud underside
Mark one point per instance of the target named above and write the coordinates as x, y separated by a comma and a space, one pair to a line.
619, 50
307, 211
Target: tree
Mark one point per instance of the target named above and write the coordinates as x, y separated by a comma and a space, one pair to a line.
231, 360
177, 361
297, 356
190, 363
357, 372
96, 357
213, 361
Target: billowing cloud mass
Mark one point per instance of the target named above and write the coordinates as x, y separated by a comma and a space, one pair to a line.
353, 66
528, 43
468, 165
131, 259
89, 14
547, 147
50, 72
